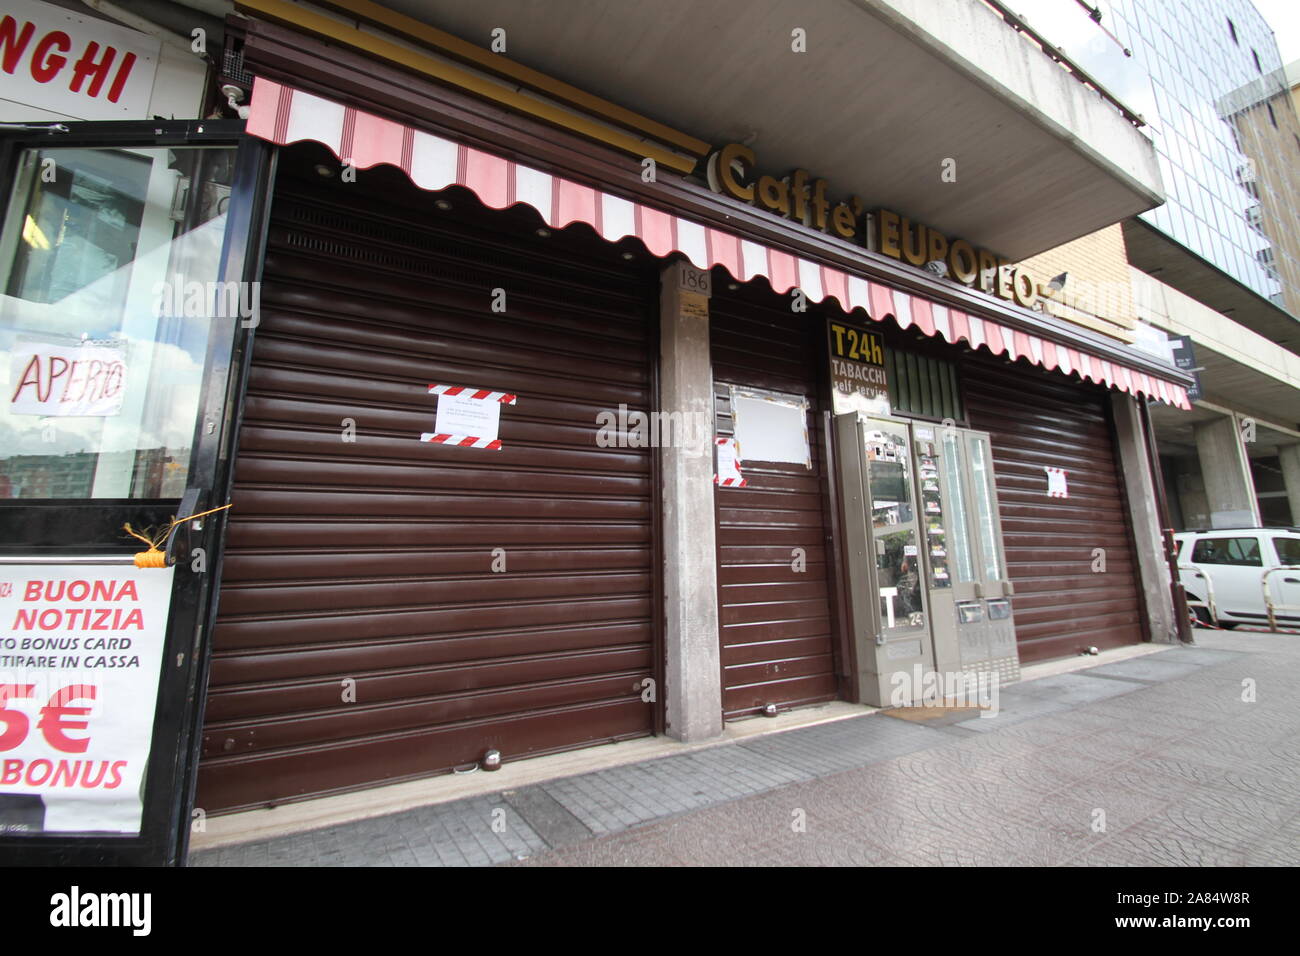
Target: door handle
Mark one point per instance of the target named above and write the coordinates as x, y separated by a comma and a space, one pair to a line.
1292, 580
189, 505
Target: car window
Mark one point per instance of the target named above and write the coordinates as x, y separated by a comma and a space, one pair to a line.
1288, 550
1239, 551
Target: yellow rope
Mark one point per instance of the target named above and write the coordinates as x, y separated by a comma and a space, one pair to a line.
155, 558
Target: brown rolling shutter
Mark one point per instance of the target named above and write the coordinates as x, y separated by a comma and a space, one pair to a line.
373, 560
776, 622
1037, 419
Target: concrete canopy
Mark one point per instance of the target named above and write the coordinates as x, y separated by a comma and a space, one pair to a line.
887, 90
1153, 252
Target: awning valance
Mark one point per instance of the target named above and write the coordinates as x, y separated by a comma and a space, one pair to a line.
284, 115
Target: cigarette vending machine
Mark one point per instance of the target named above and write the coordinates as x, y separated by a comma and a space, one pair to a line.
927, 572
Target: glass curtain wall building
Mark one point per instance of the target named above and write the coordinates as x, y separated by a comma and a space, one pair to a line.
1210, 62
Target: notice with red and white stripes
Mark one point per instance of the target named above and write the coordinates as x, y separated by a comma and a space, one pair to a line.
728, 474
467, 417
1057, 487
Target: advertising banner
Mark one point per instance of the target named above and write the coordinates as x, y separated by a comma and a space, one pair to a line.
80, 659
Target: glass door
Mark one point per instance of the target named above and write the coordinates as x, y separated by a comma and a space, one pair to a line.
956, 493
989, 562
896, 527
129, 260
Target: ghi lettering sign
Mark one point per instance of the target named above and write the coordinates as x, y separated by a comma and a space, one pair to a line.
75, 66
80, 659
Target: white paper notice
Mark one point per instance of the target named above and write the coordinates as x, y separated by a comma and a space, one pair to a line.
80, 662
728, 474
66, 380
772, 430
472, 417
1056, 484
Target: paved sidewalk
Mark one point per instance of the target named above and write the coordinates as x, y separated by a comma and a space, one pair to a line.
1153, 760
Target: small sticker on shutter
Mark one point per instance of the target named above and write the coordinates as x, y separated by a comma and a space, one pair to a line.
1057, 486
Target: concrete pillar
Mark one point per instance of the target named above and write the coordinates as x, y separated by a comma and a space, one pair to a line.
693, 673
1226, 472
1290, 456
1144, 515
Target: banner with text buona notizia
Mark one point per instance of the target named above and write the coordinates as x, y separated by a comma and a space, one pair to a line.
80, 660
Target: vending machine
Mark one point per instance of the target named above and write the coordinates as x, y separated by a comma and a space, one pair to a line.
927, 573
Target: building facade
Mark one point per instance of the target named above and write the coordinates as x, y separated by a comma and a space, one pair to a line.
519, 386
1215, 269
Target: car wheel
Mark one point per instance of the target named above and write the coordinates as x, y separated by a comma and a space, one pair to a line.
1228, 625
1201, 617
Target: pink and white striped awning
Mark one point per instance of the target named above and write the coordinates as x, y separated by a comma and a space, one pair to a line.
284, 115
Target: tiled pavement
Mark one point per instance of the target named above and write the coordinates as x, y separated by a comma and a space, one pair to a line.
1162, 749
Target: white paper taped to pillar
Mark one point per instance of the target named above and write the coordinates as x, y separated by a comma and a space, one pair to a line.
771, 426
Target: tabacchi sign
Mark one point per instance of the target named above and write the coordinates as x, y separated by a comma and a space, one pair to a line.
74, 66
804, 199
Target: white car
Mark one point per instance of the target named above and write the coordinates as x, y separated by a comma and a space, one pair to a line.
1235, 561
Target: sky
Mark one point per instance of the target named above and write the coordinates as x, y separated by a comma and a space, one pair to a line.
1284, 17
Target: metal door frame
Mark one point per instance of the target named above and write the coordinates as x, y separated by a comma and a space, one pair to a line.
169, 781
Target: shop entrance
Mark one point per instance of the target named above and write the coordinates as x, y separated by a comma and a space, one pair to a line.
394, 605
927, 574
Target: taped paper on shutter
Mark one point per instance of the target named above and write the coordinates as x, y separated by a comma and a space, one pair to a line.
771, 426
728, 474
1057, 486
468, 417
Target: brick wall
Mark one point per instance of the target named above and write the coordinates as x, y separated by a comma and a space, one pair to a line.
1097, 292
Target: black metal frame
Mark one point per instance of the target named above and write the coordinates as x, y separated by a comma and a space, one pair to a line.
50, 528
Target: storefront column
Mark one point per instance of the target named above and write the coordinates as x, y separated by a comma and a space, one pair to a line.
1290, 458
693, 673
1144, 515
1226, 472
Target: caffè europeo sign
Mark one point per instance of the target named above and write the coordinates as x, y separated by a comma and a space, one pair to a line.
803, 199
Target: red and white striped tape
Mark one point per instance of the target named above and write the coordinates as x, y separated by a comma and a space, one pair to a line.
284, 115
462, 441
738, 482
483, 394
466, 391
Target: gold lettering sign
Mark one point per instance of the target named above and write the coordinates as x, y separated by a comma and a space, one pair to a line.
801, 198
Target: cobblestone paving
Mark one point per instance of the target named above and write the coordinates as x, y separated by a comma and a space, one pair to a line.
1161, 749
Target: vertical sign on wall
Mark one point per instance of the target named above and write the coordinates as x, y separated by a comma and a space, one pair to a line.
857, 360
1185, 359
80, 658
